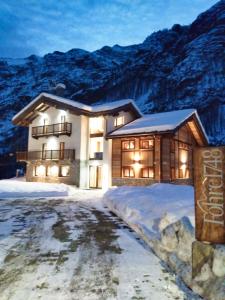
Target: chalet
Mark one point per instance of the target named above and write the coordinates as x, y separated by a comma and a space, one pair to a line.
108, 144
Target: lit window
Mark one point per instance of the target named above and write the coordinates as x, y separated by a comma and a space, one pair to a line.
52, 171
39, 171
146, 144
96, 146
128, 172
184, 172
126, 145
96, 125
147, 173
119, 121
64, 171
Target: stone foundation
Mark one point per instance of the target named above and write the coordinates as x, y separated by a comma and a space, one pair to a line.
146, 181
72, 179
132, 181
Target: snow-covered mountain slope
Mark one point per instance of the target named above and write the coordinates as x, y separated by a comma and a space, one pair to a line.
183, 67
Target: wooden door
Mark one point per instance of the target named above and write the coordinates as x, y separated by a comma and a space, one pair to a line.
95, 177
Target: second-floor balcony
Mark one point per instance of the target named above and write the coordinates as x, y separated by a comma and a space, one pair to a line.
53, 129
66, 154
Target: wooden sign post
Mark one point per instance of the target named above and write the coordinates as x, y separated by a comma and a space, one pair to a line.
209, 167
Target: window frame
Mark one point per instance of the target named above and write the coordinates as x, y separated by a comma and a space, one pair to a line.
116, 121
130, 168
150, 148
129, 142
60, 171
148, 168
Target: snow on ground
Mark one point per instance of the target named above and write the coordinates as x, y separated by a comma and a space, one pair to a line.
73, 248
17, 188
154, 207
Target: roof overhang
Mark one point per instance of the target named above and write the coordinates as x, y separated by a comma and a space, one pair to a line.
194, 123
43, 101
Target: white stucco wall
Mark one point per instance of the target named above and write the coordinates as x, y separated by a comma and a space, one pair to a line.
84, 139
54, 116
79, 140
128, 117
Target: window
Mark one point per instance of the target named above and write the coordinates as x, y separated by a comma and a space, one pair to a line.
64, 171
52, 171
96, 125
128, 172
119, 121
39, 171
127, 145
147, 172
184, 160
146, 144
96, 146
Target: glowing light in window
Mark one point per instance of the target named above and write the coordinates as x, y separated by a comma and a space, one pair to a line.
54, 171
40, 171
96, 125
65, 171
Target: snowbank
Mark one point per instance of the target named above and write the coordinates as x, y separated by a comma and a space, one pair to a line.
147, 206
163, 215
14, 188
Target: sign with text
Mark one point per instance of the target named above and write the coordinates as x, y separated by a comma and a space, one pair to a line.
209, 167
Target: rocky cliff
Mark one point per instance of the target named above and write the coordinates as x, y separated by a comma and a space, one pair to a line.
175, 68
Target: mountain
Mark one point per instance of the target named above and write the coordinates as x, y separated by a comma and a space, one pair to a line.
175, 68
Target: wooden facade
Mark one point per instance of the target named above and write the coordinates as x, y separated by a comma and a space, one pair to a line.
145, 159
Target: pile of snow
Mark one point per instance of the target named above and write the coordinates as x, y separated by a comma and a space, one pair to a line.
163, 216
14, 188
153, 207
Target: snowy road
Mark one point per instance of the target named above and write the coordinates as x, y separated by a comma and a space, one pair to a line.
65, 249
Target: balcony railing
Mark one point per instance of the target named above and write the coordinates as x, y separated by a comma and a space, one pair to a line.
53, 129
67, 154
97, 156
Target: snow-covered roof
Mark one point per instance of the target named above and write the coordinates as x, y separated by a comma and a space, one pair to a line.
88, 108
159, 122
91, 109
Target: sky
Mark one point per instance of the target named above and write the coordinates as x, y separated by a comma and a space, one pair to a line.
42, 26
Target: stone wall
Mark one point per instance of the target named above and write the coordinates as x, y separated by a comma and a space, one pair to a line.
174, 246
132, 181
119, 181
73, 179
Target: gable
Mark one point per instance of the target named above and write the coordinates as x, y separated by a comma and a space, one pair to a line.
41, 103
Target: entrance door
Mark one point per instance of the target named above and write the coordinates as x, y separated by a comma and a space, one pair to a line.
95, 177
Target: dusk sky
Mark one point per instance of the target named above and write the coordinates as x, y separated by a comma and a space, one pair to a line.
42, 26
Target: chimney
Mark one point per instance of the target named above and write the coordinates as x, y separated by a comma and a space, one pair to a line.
59, 89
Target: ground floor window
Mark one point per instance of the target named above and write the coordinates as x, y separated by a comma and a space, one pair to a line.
147, 172
52, 171
128, 172
64, 171
180, 159
39, 171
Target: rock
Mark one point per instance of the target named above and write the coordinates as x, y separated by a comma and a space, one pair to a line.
205, 273
169, 238
219, 261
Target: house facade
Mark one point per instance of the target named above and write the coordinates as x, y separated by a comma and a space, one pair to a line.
110, 144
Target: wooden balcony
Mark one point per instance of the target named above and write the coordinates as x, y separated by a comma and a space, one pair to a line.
67, 154
53, 129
